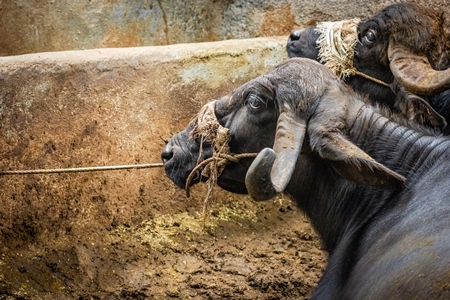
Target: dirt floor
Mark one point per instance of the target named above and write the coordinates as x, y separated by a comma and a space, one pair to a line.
244, 250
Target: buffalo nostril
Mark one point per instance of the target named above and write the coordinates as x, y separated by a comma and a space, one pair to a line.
167, 154
295, 35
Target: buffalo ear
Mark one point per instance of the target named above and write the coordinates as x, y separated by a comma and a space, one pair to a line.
416, 108
356, 165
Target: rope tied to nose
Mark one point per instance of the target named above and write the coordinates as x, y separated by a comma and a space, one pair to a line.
336, 44
208, 129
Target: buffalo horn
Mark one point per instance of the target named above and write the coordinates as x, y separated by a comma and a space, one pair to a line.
415, 73
279, 162
257, 180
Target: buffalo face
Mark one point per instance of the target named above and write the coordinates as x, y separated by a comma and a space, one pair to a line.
404, 41
249, 113
364, 54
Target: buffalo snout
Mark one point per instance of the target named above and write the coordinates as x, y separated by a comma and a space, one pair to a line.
302, 43
180, 156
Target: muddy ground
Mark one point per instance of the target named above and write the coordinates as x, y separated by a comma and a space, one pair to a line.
244, 250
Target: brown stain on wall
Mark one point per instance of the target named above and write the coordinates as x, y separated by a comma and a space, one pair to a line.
166, 26
116, 37
278, 21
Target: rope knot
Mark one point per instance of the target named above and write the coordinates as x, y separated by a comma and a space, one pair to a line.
208, 129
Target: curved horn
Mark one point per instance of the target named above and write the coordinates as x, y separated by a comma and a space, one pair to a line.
415, 73
279, 162
257, 180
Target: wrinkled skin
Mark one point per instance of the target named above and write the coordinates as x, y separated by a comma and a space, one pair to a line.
400, 23
388, 236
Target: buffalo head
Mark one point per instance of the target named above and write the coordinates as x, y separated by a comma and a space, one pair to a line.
297, 111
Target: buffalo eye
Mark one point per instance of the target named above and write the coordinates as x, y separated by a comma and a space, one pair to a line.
369, 37
255, 102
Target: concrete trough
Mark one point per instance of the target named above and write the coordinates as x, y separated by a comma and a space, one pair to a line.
106, 107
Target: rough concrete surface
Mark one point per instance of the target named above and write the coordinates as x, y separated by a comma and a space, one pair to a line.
28, 26
106, 107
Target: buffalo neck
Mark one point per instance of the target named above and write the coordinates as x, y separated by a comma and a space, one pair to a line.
338, 208
409, 152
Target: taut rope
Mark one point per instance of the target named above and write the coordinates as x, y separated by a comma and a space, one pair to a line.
81, 169
356, 72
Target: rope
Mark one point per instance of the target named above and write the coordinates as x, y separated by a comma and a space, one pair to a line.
370, 78
206, 126
336, 45
81, 169
221, 159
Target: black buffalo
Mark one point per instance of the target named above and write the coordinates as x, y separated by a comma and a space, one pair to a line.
378, 193
406, 46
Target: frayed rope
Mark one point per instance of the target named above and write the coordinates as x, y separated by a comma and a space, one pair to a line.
336, 44
207, 128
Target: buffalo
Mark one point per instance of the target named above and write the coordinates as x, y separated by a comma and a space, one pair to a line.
376, 192
400, 57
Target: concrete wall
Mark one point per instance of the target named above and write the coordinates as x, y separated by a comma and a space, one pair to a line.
106, 107
28, 26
